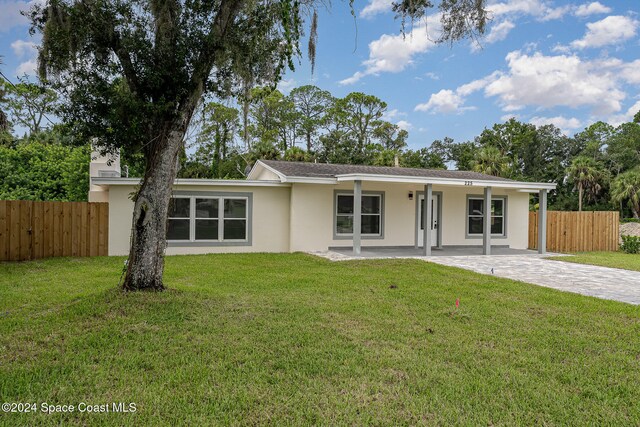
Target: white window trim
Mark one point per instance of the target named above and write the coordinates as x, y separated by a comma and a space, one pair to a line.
192, 220
468, 234
378, 194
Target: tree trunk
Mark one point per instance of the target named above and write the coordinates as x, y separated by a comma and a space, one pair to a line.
148, 234
579, 198
309, 142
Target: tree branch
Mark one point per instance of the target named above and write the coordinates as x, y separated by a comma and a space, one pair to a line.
124, 57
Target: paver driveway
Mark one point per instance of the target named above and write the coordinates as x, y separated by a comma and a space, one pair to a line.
602, 282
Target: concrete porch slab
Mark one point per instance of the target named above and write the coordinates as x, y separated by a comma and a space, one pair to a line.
412, 252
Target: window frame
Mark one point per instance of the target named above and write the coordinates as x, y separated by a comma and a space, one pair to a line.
221, 197
349, 236
181, 218
502, 235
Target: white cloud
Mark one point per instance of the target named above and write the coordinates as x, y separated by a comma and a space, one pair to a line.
375, 7
404, 125
498, 33
610, 30
445, 101
592, 8
286, 85
448, 101
544, 82
23, 48
630, 72
28, 67
539, 9
393, 53
393, 114
474, 86
566, 125
548, 81
432, 76
618, 119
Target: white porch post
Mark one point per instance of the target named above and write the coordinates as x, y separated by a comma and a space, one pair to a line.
486, 229
426, 213
542, 222
357, 216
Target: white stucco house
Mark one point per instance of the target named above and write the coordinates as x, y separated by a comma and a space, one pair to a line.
293, 206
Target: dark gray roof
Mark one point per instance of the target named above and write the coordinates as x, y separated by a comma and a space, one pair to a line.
326, 170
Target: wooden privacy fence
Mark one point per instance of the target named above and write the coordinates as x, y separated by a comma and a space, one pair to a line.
31, 230
577, 231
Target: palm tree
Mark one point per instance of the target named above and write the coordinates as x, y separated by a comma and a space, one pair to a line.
490, 161
588, 175
626, 186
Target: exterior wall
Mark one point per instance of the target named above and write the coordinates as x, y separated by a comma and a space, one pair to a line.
98, 194
312, 216
453, 223
301, 217
270, 222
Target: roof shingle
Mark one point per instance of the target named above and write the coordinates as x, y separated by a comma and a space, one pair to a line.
326, 170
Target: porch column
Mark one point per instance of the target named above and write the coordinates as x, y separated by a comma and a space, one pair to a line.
357, 216
486, 229
428, 200
542, 222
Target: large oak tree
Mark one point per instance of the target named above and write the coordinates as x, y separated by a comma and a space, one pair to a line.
134, 72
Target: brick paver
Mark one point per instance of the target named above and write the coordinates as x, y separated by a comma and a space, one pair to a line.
601, 282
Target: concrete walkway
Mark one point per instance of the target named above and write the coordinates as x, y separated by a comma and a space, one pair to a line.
601, 282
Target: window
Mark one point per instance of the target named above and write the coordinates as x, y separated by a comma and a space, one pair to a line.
179, 222
475, 216
208, 219
371, 218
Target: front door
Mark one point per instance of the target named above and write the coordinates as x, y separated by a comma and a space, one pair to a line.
435, 220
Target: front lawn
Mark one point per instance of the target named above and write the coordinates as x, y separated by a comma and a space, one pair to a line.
605, 259
294, 339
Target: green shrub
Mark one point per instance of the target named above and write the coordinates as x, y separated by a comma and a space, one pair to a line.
630, 244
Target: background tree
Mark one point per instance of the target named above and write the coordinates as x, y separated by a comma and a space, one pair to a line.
312, 104
623, 147
491, 161
626, 187
588, 175
272, 118
27, 104
44, 171
219, 126
360, 114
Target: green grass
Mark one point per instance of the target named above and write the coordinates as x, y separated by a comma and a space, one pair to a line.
605, 259
294, 339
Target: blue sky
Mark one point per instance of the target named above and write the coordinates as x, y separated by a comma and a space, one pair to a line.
541, 61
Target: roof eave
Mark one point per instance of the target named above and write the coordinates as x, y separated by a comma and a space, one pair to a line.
103, 181
263, 165
447, 181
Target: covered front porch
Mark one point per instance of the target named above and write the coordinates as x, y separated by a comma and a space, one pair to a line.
429, 241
